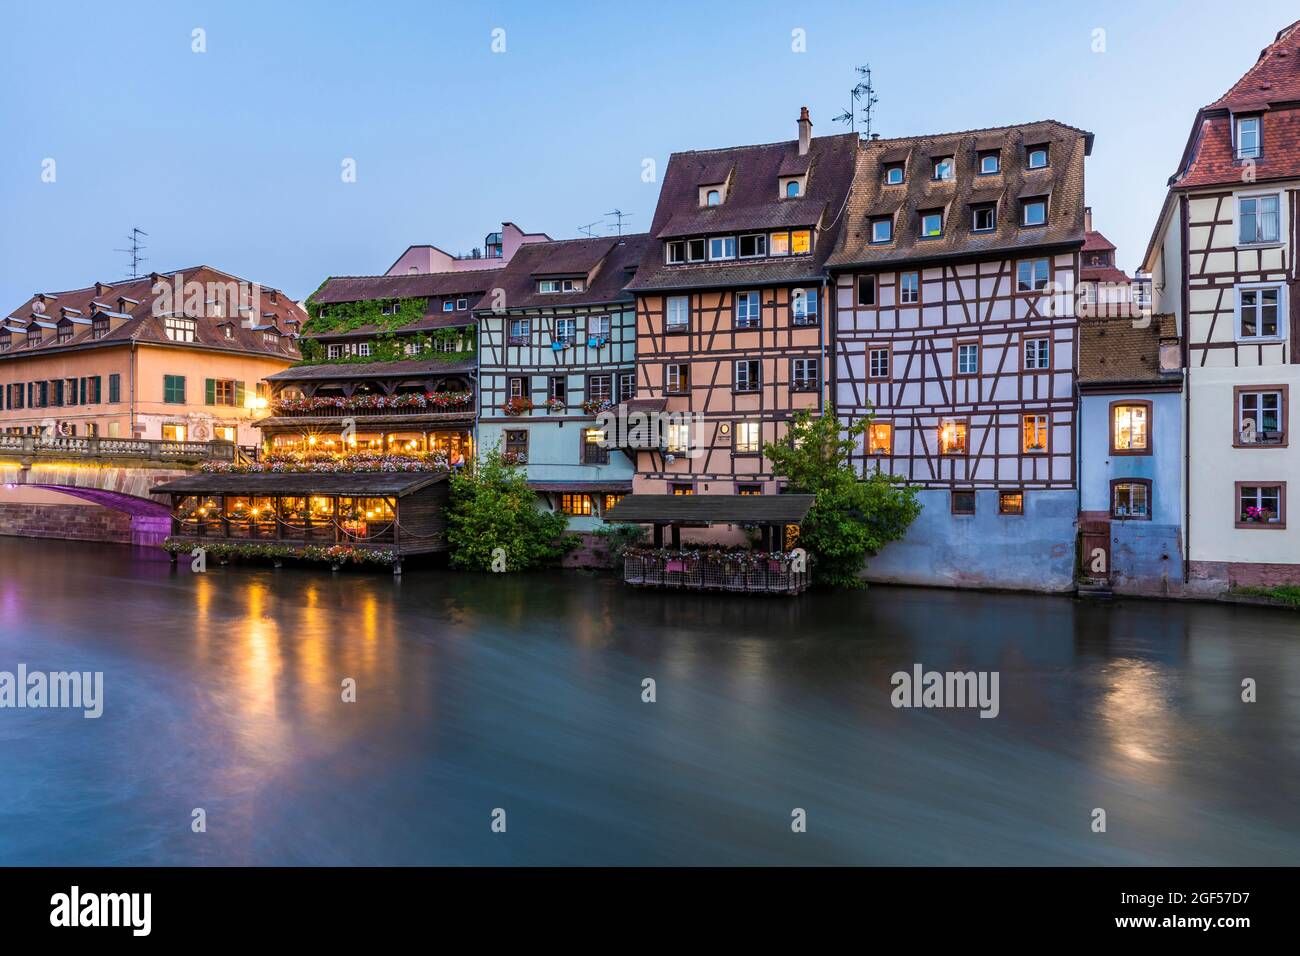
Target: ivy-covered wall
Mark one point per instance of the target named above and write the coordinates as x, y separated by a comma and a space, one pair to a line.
388, 344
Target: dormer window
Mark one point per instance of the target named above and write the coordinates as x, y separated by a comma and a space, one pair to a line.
990, 163
675, 252
33, 336
931, 224
99, 328
230, 332
753, 246
882, 229
722, 247
1248, 141
894, 174
216, 310
943, 169
792, 189
558, 285
270, 340
984, 218
1037, 157
64, 331
180, 329
713, 197
389, 308
449, 306
6, 340
1033, 212
462, 305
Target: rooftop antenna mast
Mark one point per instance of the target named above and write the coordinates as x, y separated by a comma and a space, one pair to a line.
589, 230
135, 249
620, 215
865, 91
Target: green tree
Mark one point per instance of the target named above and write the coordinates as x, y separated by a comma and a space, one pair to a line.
493, 507
852, 516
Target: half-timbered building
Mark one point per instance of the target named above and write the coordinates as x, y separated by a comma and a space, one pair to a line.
388, 367
557, 338
730, 300
1223, 261
954, 325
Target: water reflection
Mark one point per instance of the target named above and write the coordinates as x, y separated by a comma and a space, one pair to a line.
224, 691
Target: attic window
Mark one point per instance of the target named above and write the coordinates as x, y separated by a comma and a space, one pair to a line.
34, 335
99, 328
271, 340
1037, 157
559, 285
6, 341
230, 332
1034, 211
792, 189
712, 198
65, 332
180, 329
931, 224
990, 163
943, 169
894, 174
1248, 137
390, 308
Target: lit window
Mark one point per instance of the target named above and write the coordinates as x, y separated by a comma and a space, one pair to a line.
1034, 212
747, 438
780, 244
683, 490
1248, 143
1038, 354
1011, 503
575, 504
1032, 275
1130, 428
880, 438
1130, 499
1034, 430
931, 225
952, 438
611, 500
594, 449
1038, 157
678, 317
749, 490
747, 310
968, 358
1258, 310
800, 242
1258, 219
678, 437
909, 288
882, 230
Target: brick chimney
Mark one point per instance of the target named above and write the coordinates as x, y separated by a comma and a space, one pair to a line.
805, 131
1087, 219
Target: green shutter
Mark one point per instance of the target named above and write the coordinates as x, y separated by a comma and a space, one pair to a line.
210, 391
239, 394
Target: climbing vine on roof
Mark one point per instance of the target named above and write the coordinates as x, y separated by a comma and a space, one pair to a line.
336, 317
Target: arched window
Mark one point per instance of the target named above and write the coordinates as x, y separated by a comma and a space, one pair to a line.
792, 188
713, 197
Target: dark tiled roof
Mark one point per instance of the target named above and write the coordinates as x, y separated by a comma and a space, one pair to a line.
274, 311
1114, 351
432, 320
728, 509
362, 483
582, 487
1103, 274
472, 282
753, 201
607, 263
1062, 180
347, 371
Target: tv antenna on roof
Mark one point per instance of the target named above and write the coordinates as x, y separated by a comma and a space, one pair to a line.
134, 251
620, 215
589, 229
862, 92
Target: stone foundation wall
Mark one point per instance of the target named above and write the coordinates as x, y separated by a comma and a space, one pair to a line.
68, 522
1211, 578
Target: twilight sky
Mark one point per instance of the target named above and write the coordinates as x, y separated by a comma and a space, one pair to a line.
233, 157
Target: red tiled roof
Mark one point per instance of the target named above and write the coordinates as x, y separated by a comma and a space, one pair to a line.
608, 264
1275, 77
1103, 274
473, 282
1116, 350
271, 312
1094, 241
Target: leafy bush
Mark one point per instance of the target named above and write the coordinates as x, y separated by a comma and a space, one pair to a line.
852, 516
617, 536
493, 507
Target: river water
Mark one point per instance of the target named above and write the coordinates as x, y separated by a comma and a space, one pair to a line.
523, 694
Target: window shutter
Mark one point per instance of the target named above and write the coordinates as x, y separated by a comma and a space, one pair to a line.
97, 391
210, 391
239, 394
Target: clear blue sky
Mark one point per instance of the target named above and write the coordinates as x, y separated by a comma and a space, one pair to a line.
232, 157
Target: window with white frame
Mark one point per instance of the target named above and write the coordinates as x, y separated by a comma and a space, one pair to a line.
626, 386
1257, 218
1032, 275
677, 379
180, 329
566, 330
747, 438
882, 230
1038, 354
1033, 212
943, 168
334, 351
677, 313
1260, 504
1258, 312
1248, 140
675, 252
748, 311
878, 363
1037, 157
747, 375
598, 328
722, 247
803, 374
1261, 416
968, 358
521, 331
448, 305
909, 288
803, 306
753, 245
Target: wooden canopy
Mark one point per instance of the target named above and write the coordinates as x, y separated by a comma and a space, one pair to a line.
298, 484
712, 509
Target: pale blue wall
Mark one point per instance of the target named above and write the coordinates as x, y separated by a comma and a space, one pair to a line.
1034, 551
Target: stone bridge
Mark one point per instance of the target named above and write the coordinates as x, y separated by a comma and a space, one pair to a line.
116, 473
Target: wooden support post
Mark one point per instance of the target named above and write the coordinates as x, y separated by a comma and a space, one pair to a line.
677, 536
659, 536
